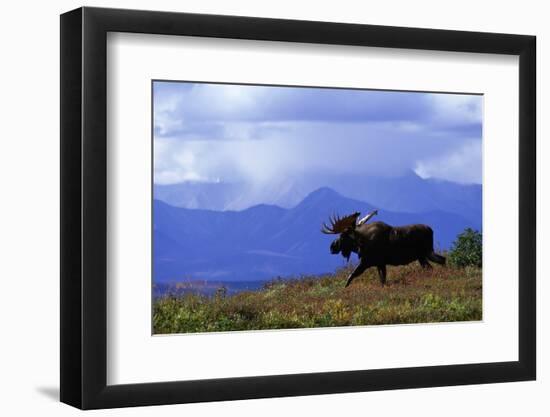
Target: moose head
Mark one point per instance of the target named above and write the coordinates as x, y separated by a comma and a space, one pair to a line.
345, 226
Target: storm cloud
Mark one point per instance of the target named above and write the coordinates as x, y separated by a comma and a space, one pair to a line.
220, 132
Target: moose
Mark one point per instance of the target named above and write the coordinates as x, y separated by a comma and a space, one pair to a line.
379, 244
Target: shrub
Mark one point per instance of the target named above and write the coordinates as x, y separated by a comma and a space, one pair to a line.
467, 249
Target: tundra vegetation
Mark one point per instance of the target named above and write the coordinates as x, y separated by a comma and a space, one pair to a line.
411, 295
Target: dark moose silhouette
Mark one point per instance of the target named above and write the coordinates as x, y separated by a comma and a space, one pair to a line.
379, 244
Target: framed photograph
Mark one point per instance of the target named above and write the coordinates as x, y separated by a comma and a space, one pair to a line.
256, 208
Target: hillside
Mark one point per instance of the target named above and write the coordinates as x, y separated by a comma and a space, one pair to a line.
412, 295
265, 241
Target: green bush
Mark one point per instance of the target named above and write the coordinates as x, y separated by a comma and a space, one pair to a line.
467, 249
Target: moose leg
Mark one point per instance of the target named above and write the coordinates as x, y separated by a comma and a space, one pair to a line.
382, 274
424, 263
356, 272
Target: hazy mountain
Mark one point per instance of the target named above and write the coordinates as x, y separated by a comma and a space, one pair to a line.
411, 193
202, 195
407, 193
266, 241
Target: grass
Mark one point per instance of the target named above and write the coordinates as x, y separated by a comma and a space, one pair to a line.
411, 295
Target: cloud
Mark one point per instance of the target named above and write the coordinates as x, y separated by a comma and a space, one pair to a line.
456, 109
213, 132
463, 165
176, 106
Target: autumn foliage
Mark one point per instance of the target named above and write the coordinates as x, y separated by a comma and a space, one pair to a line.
412, 295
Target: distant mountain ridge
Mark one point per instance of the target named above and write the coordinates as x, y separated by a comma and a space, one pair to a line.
267, 241
407, 193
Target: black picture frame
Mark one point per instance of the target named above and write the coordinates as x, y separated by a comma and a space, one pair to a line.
84, 207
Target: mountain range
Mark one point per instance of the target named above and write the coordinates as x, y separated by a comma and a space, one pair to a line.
407, 193
267, 241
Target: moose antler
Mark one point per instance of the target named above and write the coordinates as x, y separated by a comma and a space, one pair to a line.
339, 225
367, 217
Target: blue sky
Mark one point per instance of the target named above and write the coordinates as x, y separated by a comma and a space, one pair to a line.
241, 133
